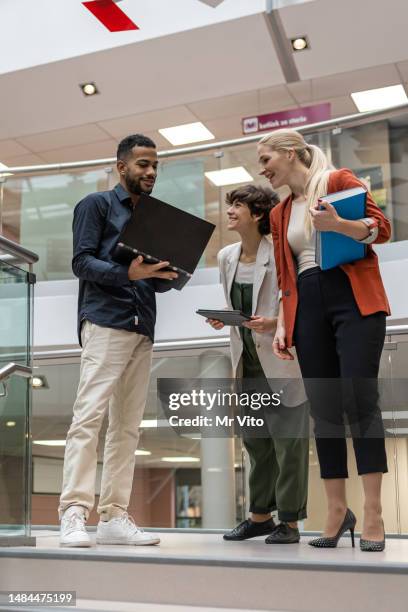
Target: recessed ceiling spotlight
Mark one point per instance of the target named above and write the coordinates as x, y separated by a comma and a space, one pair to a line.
300, 43
10, 424
89, 89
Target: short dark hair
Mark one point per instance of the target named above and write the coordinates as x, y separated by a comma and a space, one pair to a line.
134, 140
260, 201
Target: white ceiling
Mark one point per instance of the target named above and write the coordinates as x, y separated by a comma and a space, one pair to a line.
216, 74
348, 35
57, 30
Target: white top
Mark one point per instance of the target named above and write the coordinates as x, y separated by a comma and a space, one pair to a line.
302, 248
245, 273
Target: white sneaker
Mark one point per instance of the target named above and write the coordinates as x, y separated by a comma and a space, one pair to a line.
73, 532
123, 530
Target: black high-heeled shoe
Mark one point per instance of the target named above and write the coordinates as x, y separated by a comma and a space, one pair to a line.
348, 523
373, 545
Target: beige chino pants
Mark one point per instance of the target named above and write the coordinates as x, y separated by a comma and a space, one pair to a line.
114, 375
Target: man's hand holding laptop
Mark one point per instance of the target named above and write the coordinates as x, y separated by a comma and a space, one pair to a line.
138, 270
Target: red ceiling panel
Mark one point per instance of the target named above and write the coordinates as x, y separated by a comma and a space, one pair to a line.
112, 17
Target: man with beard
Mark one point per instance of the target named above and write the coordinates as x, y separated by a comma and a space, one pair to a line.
116, 318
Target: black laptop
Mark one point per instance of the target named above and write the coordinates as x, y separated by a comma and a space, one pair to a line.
160, 232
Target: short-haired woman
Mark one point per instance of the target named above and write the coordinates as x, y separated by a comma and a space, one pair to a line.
336, 320
279, 465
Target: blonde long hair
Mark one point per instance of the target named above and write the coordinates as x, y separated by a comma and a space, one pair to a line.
312, 157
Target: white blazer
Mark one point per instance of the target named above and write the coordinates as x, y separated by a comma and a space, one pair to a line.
265, 303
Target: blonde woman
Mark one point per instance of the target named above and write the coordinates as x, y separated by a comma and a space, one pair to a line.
336, 320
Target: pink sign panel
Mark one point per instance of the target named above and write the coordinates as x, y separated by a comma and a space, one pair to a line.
287, 119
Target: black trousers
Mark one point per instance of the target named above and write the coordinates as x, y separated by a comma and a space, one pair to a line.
339, 352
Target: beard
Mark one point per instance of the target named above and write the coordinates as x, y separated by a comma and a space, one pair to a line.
133, 186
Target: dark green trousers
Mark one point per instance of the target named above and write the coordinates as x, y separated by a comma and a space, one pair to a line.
278, 478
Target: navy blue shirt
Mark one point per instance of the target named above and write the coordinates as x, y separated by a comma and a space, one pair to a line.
106, 295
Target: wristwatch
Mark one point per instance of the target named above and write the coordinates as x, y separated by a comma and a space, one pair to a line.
372, 225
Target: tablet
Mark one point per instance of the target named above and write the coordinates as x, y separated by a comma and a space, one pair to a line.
228, 317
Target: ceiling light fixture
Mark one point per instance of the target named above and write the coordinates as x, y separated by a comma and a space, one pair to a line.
180, 459
398, 431
89, 89
140, 452
191, 436
229, 176
187, 133
395, 414
153, 423
300, 43
376, 99
10, 424
148, 423
50, 442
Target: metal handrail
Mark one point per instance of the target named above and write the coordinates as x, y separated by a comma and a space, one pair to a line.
16, 250
396, 330
174, 345
348, 121
15, 369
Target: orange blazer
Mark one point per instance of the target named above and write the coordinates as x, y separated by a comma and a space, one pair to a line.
364, 274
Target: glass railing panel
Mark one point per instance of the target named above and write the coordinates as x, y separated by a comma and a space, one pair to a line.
367, 149
37, 209
14, 459
15, 315
38, 214
174, 479
394, 368
171, 491
15, 346
182, 183
317, 508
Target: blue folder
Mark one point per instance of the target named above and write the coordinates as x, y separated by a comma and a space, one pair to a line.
334, 249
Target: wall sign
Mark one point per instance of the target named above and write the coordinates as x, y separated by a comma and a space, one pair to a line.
287, 119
